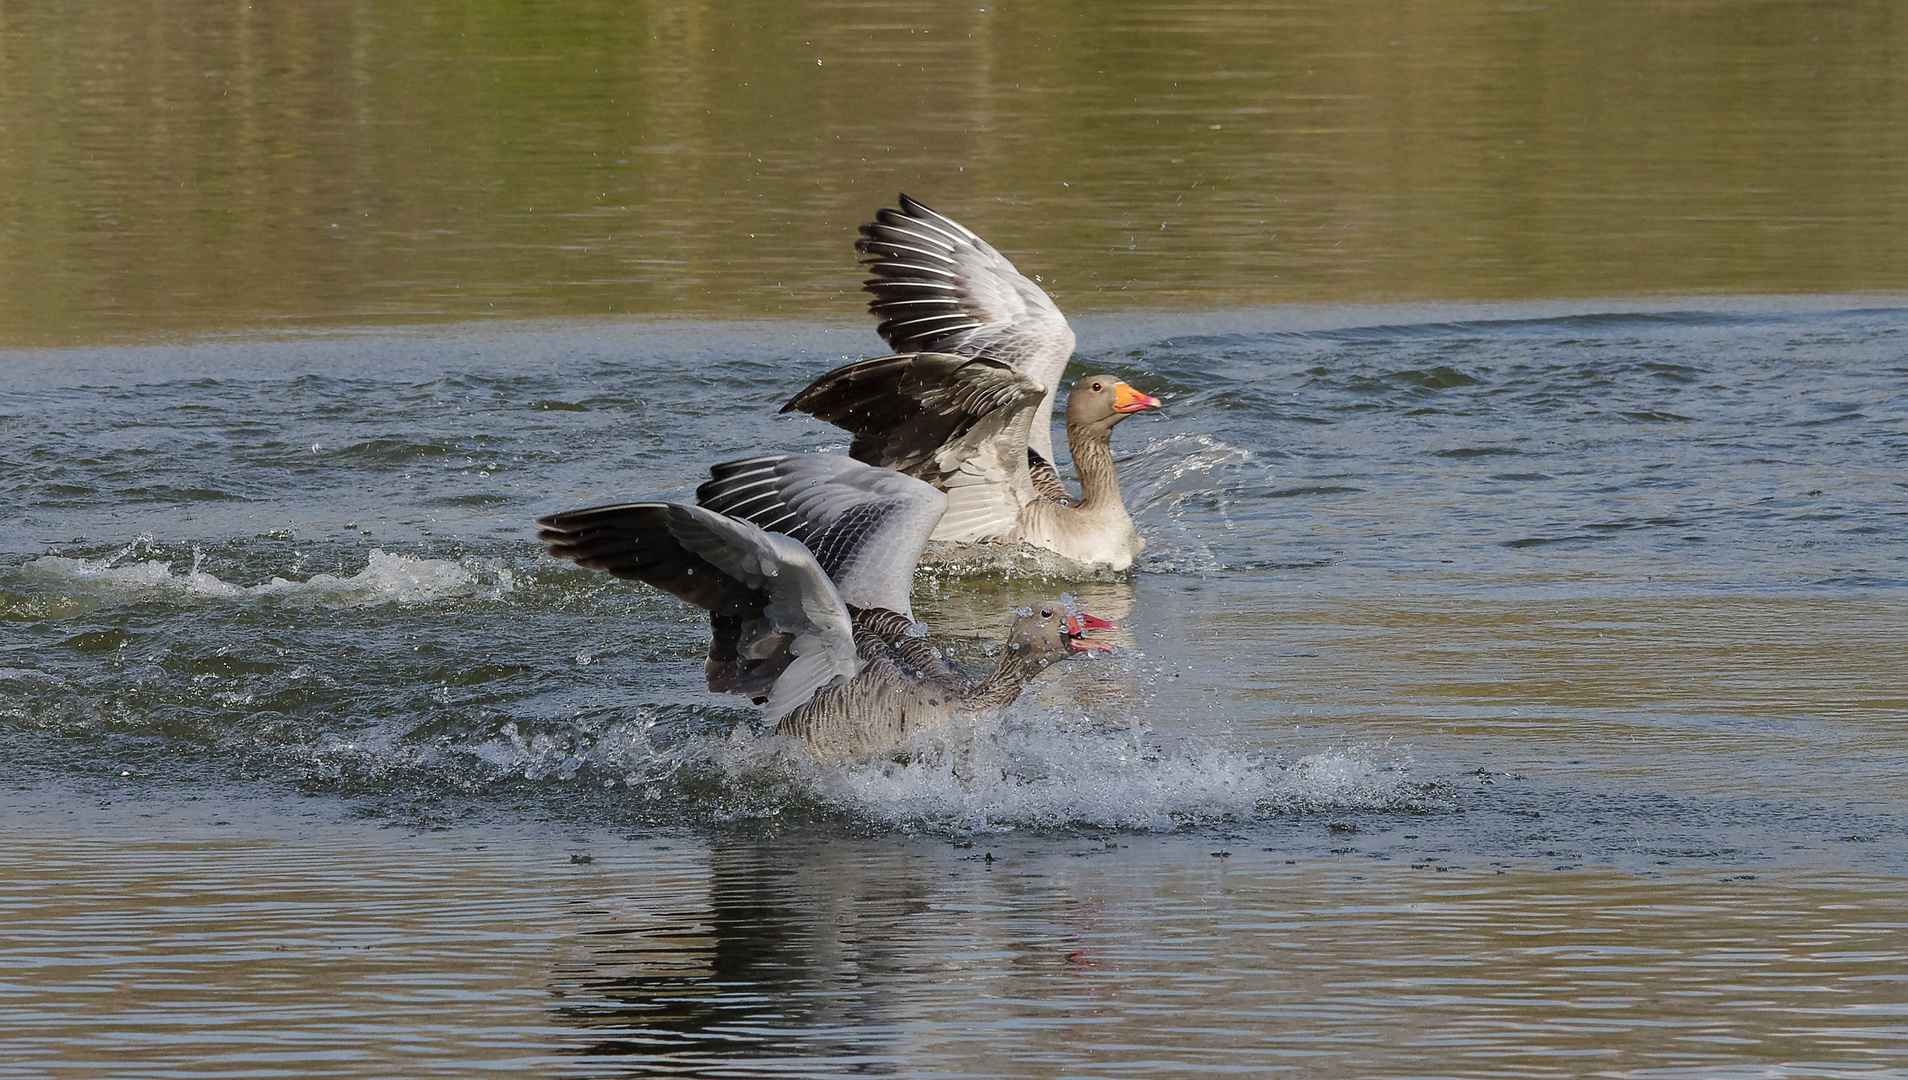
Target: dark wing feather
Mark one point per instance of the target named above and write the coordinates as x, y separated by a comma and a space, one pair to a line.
904, 409
633, 541
779, 629
755, 491
1046, 479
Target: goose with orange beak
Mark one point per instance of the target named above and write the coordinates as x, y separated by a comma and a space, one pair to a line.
1094, 529
966, 401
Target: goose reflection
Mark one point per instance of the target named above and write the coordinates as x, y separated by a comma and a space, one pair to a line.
787, 959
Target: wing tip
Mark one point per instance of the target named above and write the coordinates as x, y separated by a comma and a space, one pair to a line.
727, 468
566, 519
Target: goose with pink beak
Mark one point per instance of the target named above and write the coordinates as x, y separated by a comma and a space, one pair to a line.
805, 564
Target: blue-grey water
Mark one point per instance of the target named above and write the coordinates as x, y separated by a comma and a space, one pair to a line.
1514, 690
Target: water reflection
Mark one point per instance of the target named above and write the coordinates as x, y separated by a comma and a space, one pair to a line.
785, 960
1061, 954
209, 166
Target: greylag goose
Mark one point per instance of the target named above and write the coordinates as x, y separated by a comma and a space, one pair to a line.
968, 412
812, 620
960, 425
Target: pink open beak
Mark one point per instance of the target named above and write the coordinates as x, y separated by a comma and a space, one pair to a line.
1078, 625
1128, 400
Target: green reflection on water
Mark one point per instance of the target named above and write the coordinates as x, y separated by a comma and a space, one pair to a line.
205, 166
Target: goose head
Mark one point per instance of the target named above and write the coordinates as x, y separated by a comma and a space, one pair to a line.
1049, 633
1102, 401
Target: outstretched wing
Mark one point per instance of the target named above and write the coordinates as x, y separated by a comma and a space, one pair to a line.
938, 287
780, 627
865, 525
918, 412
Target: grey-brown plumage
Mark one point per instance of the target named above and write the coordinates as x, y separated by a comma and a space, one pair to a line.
917, 414
1046, 480
890, 702
850, 678
938, 287
967, 404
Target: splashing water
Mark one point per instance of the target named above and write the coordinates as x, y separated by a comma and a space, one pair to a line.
386, 578
1178, 491
1027, 767
1038, 768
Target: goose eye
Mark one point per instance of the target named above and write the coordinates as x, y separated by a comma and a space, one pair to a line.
1097, 388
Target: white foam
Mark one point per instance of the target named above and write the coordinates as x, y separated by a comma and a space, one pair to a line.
386, 578
1033, 768
1040, 769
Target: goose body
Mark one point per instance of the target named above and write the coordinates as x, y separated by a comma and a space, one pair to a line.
966, 406
804, 564
961, 425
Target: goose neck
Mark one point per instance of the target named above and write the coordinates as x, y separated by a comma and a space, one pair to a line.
1093, 461
1003, 684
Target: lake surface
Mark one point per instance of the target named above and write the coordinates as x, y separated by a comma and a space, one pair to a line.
1515, 683
1504, 691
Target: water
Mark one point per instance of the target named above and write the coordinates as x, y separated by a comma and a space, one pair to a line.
345, 950
233, 167
1513, 686
1511, 690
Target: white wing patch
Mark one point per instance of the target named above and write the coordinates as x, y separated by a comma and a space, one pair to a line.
865, 526
802, 602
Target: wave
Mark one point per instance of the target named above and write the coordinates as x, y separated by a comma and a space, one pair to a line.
386, 578
1273, 325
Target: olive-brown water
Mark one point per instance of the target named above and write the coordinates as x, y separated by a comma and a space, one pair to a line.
228, 166
1514, 684
317, 949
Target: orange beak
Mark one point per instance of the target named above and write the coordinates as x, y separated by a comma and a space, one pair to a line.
1128, 400
1078, 625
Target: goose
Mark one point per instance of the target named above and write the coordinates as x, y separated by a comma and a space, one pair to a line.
959, 424
809, 616
964, 405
